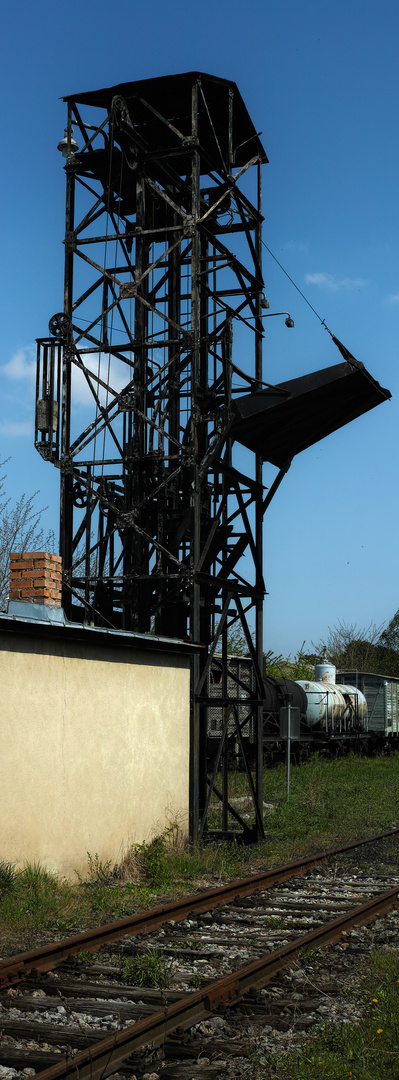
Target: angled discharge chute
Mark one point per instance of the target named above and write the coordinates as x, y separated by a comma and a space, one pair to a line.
280, 421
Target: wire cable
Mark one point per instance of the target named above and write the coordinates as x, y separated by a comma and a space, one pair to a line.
323, 321
347, 355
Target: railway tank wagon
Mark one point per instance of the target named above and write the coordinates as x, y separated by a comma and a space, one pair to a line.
336, 712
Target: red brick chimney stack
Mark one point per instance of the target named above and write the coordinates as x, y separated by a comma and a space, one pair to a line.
35, 577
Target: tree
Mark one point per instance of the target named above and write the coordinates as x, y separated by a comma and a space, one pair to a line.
279, 667
388, 647
352, 648
390, 636
20, 530
237, 644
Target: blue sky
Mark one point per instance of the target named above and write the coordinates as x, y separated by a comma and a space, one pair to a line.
320, 80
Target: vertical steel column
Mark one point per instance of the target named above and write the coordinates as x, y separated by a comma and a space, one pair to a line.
136, 476
195, 495
66, 481
259, 527
227, 357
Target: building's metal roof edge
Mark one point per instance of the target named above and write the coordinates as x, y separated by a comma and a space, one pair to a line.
93, 635
375, 674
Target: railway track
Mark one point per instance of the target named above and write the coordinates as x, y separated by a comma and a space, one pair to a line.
222, 956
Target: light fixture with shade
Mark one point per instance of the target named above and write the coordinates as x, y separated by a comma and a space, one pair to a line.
67, 146
288, 322
271, 314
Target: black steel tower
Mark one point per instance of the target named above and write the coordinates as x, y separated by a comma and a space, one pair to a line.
150, 386
161, 526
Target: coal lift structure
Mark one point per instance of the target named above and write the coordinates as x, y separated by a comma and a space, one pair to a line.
150, 385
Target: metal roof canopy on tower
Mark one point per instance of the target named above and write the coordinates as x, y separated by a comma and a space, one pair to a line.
170, 98
283, 420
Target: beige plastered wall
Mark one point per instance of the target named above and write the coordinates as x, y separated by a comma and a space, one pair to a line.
94, 750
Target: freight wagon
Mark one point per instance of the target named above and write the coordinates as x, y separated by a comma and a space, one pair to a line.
339, 711
382, 697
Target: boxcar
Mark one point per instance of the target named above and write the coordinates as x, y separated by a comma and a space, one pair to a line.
382, 696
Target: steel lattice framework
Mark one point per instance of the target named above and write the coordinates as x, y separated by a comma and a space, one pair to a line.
161, 514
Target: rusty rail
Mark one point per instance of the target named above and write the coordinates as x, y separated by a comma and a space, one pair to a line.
14, 968
108, 1055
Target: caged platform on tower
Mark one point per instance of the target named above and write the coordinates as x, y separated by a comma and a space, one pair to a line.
161, 509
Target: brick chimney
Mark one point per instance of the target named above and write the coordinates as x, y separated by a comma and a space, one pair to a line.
35, 578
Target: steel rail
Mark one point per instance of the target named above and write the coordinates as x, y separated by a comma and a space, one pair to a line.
108, 1055
14, 968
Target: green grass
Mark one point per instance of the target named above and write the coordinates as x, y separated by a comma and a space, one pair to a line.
348, 797
33, 900
368, 1050
7, 877
330, 802
146, 969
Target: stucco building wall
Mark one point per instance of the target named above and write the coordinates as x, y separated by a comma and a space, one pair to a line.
94, 749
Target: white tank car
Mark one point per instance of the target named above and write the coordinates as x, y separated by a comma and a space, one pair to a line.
326, 704
332, 706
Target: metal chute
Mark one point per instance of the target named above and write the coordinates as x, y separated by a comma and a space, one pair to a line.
281, 421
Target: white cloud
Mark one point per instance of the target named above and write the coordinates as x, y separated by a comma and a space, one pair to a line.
294, 245
22, 367
14, 429
18, 401
334, 284
393, 298
22, 364
114, 374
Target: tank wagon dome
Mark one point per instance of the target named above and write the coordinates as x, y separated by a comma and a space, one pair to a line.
325, 671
